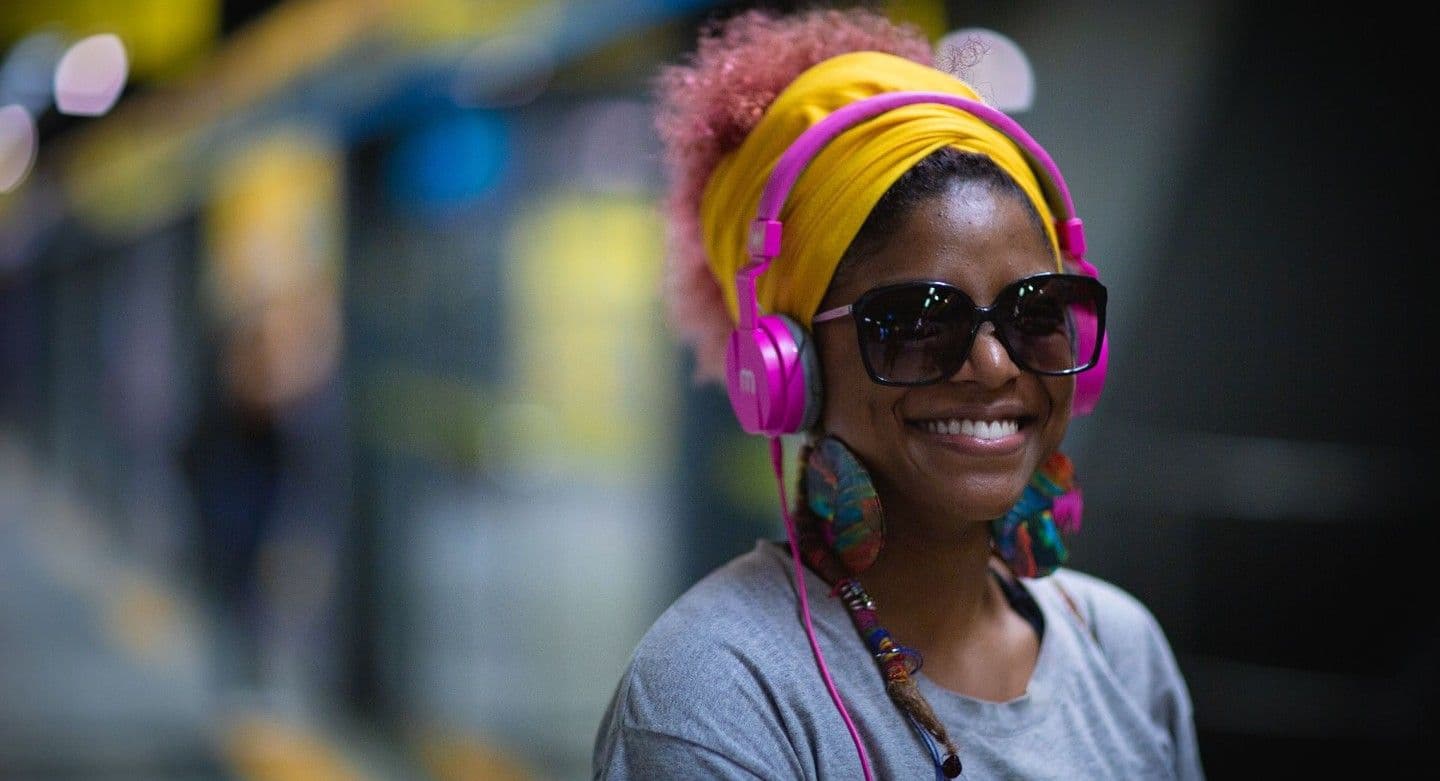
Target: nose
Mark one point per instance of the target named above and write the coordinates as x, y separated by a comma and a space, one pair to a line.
988, 362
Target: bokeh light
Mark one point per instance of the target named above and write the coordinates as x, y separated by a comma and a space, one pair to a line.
91, 75
17, 146
991, 62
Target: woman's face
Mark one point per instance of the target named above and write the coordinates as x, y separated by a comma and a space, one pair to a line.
979, 241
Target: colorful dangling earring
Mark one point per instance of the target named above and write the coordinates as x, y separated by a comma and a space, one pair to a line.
1028, 537
839, 491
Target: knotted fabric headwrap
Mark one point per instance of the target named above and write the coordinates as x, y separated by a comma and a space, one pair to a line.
842, 184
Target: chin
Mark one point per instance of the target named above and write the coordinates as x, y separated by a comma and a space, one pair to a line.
980, 497
991, 512
970, 507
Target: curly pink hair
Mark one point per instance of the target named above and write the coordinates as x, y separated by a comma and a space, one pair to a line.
706, 107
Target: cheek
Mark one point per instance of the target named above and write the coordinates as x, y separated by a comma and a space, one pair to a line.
1061, 393
850, 397
839, 403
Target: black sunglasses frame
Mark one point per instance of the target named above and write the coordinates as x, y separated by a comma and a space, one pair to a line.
981, 315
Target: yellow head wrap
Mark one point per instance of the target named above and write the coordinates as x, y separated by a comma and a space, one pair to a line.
841, 185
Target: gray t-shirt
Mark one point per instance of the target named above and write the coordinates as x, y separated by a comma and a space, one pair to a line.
724, 685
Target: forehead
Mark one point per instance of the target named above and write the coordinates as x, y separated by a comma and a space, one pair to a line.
973, 236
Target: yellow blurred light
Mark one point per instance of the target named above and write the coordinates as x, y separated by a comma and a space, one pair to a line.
432, 22
590, 352
121, 184
273, 222
452, 755
163, 37
928, 15
264, 749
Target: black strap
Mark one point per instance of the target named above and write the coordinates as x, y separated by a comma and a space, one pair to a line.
1022, 601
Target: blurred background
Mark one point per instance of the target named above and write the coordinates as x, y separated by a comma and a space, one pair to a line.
341, 436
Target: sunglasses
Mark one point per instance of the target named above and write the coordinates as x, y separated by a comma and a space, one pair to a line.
919, 333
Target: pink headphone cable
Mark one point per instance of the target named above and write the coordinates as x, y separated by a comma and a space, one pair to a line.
777, 460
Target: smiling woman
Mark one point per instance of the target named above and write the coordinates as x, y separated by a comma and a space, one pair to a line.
875, 260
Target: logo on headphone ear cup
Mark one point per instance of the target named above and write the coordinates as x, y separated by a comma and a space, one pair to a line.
772, 375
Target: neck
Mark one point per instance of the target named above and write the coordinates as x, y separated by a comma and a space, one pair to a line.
931, 594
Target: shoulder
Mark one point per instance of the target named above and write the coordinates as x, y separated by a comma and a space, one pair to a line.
1111, 611
707, 674
713, 642
1131, 640
1136, 650
727, 613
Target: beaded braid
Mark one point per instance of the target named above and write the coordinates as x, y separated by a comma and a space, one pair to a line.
897, 662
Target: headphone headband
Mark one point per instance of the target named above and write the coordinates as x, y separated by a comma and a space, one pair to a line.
765, 239
773, 380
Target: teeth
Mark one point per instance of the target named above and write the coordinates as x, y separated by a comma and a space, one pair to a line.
980, 429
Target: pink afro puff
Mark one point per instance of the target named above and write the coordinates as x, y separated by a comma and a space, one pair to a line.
705, 108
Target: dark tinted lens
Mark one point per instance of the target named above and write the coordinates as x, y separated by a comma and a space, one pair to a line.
1052, 324
914, 333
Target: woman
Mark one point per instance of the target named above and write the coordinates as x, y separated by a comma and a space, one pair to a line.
919, 259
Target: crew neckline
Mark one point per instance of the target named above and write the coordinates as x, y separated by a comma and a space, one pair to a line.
986, 717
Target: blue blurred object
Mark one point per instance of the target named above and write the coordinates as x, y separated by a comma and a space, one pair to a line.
449, 162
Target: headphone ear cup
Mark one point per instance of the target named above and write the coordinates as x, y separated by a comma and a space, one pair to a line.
808, 372
772, 376
1089, 383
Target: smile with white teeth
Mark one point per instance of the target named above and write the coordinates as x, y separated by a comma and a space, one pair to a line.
980, 429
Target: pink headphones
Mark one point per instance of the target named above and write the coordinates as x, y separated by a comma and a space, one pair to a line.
772, 370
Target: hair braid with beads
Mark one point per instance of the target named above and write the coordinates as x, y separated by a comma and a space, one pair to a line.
897, 663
